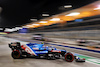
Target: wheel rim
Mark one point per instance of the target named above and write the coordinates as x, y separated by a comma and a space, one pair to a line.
16, 54
69, 57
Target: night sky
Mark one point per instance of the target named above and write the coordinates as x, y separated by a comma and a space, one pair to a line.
19, 12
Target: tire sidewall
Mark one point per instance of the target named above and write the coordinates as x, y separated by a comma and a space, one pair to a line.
67, 55
19, 56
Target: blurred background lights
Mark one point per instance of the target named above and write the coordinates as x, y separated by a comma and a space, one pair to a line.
55, 19
33, 19
25, 27
10, 30
45, 14
43, 21
73, 14
67, 6
1, 28
97, 8
18, 28
36, 24
28, 25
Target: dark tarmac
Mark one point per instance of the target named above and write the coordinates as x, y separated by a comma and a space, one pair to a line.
7, 61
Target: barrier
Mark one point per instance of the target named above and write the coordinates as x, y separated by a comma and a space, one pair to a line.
76, 48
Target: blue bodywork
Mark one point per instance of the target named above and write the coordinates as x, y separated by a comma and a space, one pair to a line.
40, 49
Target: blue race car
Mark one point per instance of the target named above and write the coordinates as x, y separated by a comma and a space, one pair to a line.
40, 51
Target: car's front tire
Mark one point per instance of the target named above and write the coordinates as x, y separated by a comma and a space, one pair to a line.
69, 57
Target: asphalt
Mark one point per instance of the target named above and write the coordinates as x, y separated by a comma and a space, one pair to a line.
7, 61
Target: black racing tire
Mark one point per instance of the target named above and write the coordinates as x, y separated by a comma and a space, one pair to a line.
69, 57
17, 54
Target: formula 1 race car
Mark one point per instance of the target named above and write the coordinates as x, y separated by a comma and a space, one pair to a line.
40, 51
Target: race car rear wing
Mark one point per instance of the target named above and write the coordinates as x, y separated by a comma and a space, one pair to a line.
15, 45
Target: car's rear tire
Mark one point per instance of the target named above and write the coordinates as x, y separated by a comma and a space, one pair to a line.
69, 57
17, 54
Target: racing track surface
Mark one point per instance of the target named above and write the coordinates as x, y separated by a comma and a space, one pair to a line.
7, 61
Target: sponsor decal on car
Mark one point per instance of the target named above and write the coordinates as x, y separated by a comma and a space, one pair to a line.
28, 50
55, 51
41, 51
